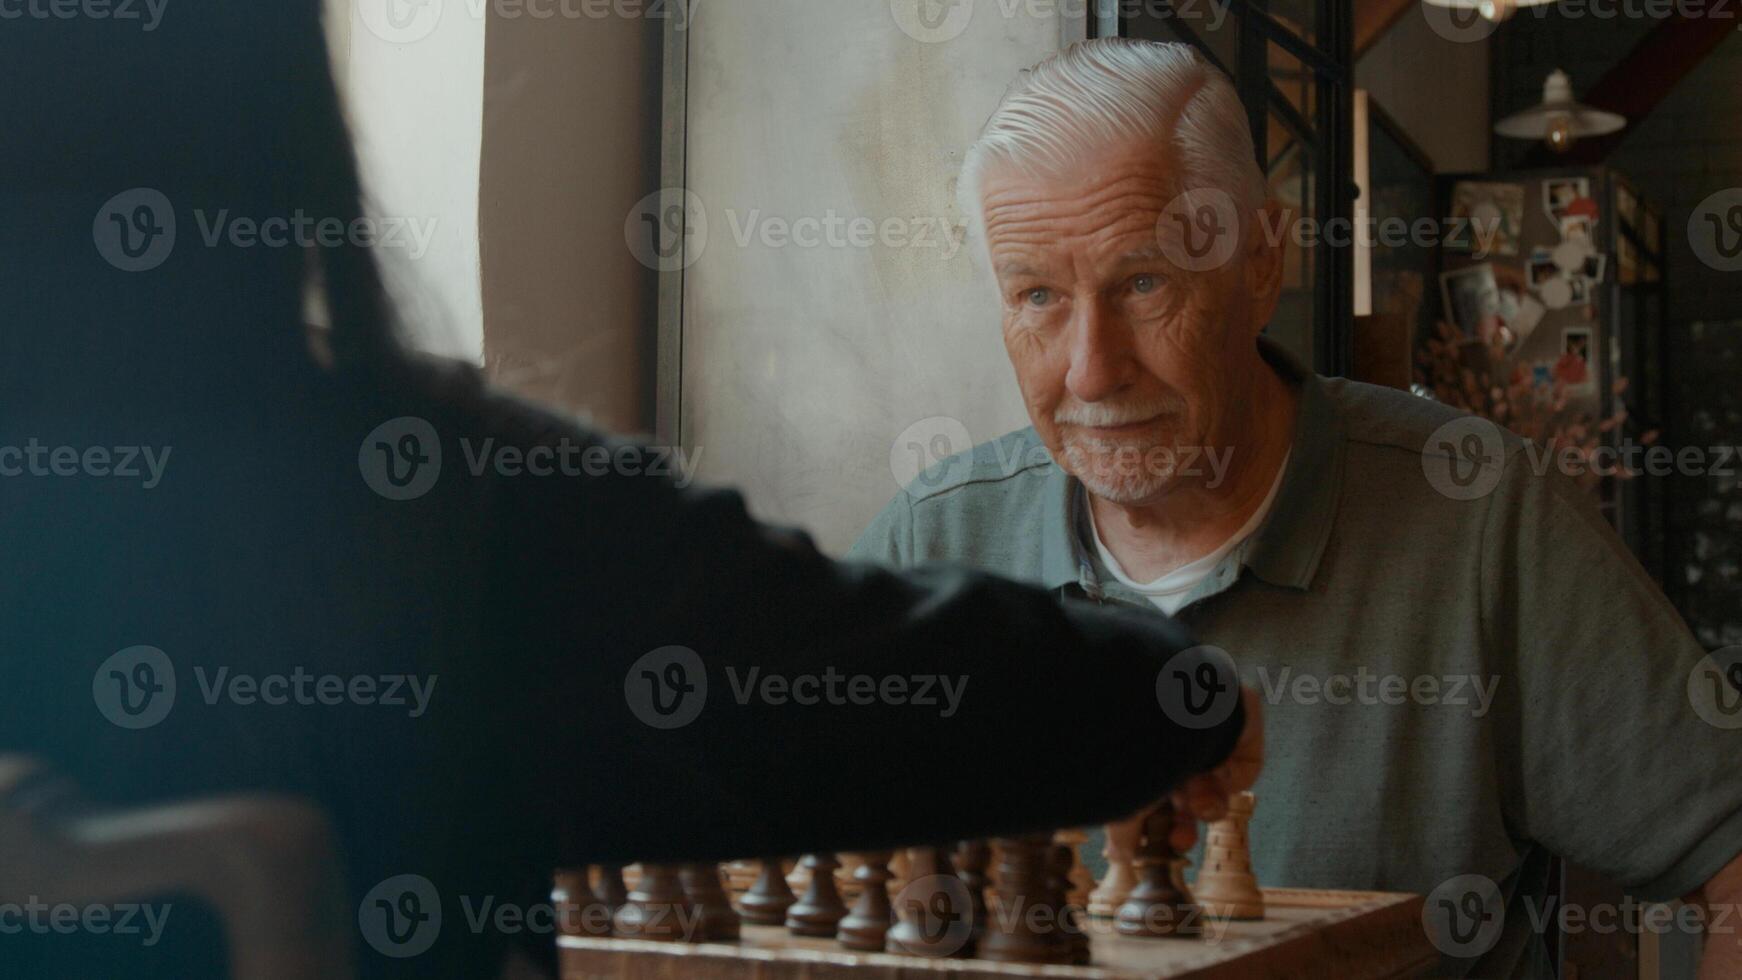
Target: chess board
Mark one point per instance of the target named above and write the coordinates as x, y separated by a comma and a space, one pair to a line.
1310, 934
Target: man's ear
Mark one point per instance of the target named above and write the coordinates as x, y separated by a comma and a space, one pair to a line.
1265, 248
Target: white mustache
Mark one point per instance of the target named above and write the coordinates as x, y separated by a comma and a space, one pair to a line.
1112, 414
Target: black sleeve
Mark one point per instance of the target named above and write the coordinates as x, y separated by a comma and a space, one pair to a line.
961, 705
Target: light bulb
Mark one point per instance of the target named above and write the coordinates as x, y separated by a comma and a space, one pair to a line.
1560, 132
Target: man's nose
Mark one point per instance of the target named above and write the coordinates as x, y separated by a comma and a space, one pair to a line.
1102, 359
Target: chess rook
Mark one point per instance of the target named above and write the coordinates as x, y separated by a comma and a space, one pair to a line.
1021, 929
1226, 887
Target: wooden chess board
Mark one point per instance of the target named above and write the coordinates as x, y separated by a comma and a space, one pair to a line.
1309, 934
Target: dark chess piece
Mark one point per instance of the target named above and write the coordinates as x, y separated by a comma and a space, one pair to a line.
610, 888
973, 857
766, 902
657, 909
867, 927
1061, 858
935, 913
579, 912
1015, 933
719, 921
820, 911
1159, 905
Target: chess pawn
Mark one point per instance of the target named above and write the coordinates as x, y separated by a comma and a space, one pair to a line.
1159, 905
820, 911
936, 914
1016, 932
1061, 859
1226, 887
1081, 881
972, 859
657, 908
1120, 850
610, 888
579, 911
719, 921
766, 902
867, 926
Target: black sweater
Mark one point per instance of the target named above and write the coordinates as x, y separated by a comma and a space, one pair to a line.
530, 602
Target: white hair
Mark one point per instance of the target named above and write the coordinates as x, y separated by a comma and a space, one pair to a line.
1094, 94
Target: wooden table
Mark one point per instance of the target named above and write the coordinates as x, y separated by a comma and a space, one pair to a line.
1309, 934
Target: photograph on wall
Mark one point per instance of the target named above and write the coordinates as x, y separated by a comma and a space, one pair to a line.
1576, 367
1560, 196
1486, 218
1469, 295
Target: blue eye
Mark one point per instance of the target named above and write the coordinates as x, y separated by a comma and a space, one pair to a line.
1039, 297
1146, 284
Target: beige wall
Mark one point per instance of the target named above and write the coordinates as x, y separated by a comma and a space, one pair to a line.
1436, 89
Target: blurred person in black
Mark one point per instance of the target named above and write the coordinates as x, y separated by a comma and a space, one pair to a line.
250, 545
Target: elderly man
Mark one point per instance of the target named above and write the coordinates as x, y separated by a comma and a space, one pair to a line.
1466, 671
